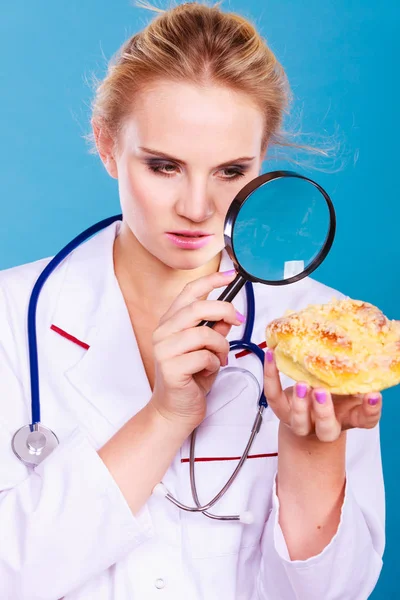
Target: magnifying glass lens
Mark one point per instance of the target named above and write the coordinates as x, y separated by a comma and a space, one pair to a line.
280, 229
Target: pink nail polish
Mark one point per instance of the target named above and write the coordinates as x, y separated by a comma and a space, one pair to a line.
301, 390
229, 273
373, 400
320, 397
240, 317
270, 355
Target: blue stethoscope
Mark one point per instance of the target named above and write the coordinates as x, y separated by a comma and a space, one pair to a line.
33, 443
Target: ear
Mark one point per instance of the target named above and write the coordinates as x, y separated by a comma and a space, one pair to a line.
105, 148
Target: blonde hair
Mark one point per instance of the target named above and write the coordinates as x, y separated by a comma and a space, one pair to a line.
201, 44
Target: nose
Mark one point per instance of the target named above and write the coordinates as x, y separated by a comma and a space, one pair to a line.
195, 202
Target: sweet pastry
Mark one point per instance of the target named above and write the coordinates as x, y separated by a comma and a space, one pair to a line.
346, 346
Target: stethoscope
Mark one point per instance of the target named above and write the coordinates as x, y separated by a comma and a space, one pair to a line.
34, 442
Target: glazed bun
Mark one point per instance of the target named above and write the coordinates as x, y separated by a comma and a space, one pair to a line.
346, 346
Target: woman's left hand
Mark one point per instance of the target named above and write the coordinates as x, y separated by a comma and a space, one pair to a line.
315, 412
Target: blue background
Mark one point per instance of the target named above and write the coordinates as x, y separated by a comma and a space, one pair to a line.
341, 57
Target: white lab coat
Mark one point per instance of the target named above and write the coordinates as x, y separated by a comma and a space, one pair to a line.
66, 529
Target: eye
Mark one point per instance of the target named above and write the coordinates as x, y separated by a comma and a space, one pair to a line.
162, 168
232, 173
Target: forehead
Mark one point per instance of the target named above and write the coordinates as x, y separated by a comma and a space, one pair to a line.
194, 122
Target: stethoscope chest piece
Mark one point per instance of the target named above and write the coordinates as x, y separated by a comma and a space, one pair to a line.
32, 444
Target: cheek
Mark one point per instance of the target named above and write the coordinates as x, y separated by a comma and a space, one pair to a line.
142, 193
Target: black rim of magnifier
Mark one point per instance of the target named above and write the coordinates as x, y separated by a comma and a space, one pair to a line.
241, 198
236, 285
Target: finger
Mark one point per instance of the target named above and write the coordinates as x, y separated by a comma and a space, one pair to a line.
190, 340
190, 316
327, 427
274, 394
199, 289
178, 375
367, 414
300, 414
222, 328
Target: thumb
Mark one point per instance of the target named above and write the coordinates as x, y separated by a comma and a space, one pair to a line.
276, 397
272, 381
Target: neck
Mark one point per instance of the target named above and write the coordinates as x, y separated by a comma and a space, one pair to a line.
147, 284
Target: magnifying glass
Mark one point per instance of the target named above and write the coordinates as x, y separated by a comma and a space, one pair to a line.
278, 229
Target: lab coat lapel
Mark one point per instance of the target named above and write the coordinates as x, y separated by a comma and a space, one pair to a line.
110, 374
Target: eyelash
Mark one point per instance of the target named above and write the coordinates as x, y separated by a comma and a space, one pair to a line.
156, 168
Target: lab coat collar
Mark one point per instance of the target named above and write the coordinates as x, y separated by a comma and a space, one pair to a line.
110, 374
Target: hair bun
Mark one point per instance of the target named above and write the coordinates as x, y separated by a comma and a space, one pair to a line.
346, 346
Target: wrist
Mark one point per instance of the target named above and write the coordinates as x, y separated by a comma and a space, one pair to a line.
310, 462
172, 428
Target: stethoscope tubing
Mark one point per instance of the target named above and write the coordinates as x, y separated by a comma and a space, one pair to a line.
32, 309
255, 429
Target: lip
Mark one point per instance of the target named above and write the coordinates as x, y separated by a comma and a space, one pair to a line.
187, 232
189, 243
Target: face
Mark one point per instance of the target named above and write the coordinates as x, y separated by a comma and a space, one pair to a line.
183, 155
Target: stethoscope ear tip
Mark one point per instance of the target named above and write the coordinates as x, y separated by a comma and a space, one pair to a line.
247, 517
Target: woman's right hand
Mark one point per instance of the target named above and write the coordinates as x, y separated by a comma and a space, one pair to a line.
187, 357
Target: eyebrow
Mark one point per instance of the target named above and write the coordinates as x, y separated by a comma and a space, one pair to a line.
182, 162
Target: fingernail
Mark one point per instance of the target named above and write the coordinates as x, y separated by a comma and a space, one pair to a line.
320, 397
301, 390
270, 355
373, 400
240, 317
229, 273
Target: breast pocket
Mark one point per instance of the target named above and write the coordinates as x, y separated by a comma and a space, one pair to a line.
220, 442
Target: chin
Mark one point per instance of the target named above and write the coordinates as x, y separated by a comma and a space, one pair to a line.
185, 260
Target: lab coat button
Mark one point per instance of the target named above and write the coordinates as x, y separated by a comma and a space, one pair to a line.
159, 583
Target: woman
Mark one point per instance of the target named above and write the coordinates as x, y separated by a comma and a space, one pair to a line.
182, 120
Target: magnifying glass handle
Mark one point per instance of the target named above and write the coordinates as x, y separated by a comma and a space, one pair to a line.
227, 295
